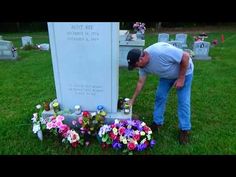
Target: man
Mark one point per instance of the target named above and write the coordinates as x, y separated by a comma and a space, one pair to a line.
175, 69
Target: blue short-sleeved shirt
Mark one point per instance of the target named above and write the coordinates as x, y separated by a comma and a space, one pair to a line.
165, 61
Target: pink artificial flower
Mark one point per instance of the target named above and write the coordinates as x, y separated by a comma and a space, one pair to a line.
49, 125
131, 146
73, 122
54, 125
80, 120
121, 130
146, 128
63, 129
113, 126
60, 118
136, 137
58, 124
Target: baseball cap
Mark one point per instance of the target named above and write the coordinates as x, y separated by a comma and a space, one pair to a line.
132, 57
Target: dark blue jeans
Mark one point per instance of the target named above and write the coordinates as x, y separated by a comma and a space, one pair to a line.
184, 106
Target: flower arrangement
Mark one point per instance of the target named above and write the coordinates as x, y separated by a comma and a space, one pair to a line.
127, 135
139, 27
38, 122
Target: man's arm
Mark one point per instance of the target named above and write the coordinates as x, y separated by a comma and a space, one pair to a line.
139, 87
183, 68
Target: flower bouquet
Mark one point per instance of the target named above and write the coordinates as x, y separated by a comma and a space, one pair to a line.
127, 135
89, 124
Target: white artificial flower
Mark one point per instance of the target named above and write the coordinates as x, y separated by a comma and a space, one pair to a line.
150, 132
143, 141
93, 114
34, 119
35, 115
148, 137
143, 124
36, 128
121, 138
38, 106
117, 121
124, 141
142, 133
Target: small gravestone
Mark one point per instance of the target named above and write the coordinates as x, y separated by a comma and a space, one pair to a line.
163, 37
7, 51
182, 38
201, 50
177, 44
26, 40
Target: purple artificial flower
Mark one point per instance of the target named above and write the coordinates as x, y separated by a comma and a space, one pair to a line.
116, 144
152, 143
128, 133
141, 147
131, 122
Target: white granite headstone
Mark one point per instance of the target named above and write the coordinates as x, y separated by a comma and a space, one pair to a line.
26, 40
7, 51
85, 64
201, 50
182, 38
123, 35
163, 37
177, 44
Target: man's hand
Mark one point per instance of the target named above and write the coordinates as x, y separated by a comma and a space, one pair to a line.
179, 83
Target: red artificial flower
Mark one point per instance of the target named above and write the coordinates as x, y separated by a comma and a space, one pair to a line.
75, 144
131, 146
113, 136
121, 130
104, 145
86, 114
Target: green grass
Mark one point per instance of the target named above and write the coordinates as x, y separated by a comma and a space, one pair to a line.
28, 81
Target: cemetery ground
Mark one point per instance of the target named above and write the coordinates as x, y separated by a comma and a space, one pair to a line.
29, 81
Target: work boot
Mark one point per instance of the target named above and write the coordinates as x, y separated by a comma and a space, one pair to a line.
184, 137
156, 127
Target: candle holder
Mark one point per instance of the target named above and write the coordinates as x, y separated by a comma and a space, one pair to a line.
56, 107
46, 106
77, 109
126, 108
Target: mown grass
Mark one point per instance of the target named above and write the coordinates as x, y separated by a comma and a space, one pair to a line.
28, 81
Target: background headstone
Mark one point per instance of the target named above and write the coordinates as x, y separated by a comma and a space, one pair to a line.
0, 37
163, 37
26, 40
183, 38
177, 44
7, 51
126, 46
201, 50
123, 35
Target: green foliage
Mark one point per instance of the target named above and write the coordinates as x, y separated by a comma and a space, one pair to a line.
29, 81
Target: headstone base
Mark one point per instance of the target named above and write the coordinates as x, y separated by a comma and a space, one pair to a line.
109, 118
201, 58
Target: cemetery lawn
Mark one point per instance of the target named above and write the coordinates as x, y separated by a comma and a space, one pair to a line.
29, 81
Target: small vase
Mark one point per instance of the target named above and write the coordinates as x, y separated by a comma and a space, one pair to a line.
40, 135
139, 35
